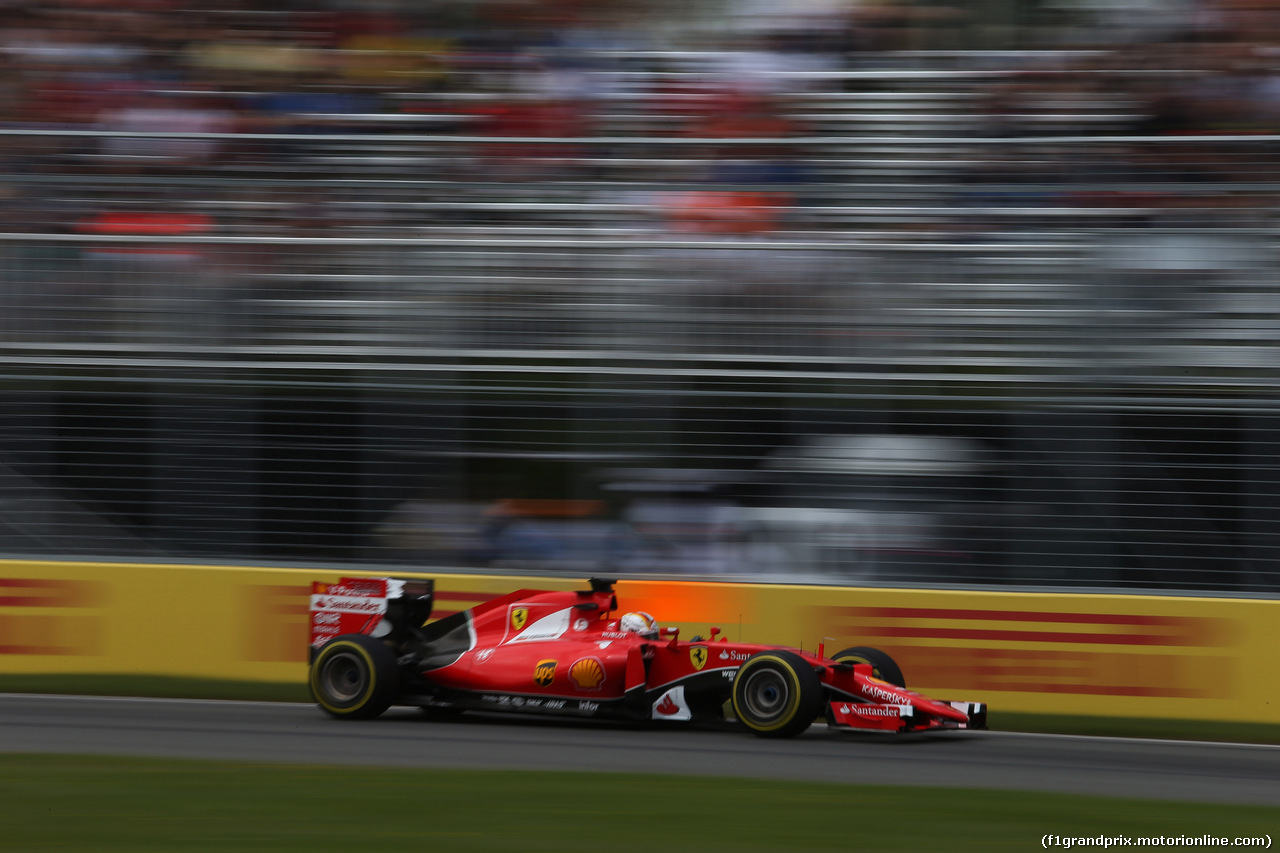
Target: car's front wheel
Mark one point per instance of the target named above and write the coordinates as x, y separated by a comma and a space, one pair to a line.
354, 677
776, 694
883, 667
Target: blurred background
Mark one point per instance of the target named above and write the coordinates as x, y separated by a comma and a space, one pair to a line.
834, 291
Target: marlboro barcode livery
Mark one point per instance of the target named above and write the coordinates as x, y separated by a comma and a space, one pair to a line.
574, 654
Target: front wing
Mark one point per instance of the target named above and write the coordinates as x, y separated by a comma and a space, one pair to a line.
878, 717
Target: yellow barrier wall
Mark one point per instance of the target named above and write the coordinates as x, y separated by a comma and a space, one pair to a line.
1103, 655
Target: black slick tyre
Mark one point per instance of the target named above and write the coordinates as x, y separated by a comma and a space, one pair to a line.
883, 667
354, 677
776, 694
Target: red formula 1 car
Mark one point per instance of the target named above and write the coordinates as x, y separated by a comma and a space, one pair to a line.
570, 654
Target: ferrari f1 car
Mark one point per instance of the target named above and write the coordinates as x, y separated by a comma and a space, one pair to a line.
570, 654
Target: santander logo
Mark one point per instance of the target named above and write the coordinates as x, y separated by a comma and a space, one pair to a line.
672, 706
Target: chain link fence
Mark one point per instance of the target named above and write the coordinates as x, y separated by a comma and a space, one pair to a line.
888, 345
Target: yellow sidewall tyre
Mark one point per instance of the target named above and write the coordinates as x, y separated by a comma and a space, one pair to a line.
354, 677
883, 667
777, 694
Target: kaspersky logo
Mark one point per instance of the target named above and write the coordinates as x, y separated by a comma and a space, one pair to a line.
519, 618
874, 691
698, 656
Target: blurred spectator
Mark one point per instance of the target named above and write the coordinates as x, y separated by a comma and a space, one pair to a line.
152, 132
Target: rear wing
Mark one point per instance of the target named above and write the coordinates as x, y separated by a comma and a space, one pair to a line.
388, 608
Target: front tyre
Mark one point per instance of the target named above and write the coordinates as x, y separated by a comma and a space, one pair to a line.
354, 677
883, 667
776, 694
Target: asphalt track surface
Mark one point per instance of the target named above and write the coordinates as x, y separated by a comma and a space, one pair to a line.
262, 732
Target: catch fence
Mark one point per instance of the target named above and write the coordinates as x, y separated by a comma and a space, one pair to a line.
838, 355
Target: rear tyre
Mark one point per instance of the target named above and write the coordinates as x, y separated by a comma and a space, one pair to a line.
776, 694
883, 667
354, 677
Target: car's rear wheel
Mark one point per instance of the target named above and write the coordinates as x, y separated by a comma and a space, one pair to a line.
883, 667
776, 694
354, 677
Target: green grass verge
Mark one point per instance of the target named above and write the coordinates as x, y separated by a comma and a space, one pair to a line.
137, 805
194, 688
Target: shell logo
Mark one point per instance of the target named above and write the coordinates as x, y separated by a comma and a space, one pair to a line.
587, 673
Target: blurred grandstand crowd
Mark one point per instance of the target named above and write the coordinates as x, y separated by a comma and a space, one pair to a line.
149, 133
721, 91
841, 221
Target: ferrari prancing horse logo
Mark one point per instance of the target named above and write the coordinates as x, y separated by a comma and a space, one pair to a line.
519, 616
698, 656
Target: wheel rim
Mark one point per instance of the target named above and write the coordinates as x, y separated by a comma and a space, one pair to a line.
766, 695
344, 677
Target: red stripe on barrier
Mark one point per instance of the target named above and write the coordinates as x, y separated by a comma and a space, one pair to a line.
1015, 616
1019, 636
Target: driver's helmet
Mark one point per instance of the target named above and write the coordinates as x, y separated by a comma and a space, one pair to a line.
639, 622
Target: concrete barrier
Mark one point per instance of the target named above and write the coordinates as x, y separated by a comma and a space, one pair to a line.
1160, 657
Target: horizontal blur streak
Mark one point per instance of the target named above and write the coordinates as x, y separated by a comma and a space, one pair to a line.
1126, 629
875, 293
50, 616
1032, 651
37, 592
1057, 671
